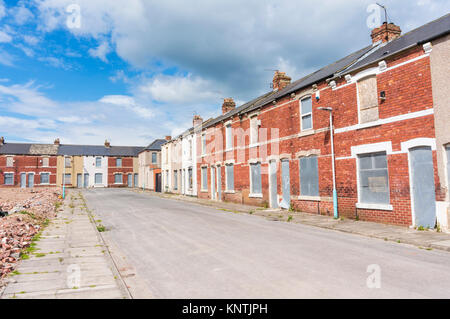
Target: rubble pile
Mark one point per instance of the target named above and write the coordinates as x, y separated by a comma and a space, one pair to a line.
25, 210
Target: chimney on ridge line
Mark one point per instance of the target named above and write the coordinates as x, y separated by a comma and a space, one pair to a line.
56, 141
168, 137
107, 144
2, 140
280, 80
197, 120
228, 105
385, 33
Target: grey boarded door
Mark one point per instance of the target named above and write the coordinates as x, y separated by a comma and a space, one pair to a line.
31, 180
213, 182
23, 180
79, 184
130, 180
273, 184
423, 186
219, 182
285, 183
86, 180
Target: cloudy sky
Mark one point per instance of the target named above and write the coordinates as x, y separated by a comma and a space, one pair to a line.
134, 70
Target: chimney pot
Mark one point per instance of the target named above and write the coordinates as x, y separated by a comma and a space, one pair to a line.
197, 120
168, 137
228, 105
385, 33
280, 80
56, 142
2, 140
107, 144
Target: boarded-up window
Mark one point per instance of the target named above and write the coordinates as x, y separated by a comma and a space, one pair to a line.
67, 179
306, 113
67, 161
255, 172
118, 162
190, 177
98, 162
447, 149
368, 99
229, 170
373, 178
45, 161
154, 159
204, 178
309, 176
254, 130
203, 144
45, 178
9, 178
118, 179
9, 161
229, 137
98, 178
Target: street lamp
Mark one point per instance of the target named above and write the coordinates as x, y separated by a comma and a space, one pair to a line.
64, 179
335, 204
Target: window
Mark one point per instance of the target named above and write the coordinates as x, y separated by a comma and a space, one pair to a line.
203, 144
175, 180
118, 162
254, 125
45, 178
98, 178
67, 161
118, 179
45, 162
67, 178
9, 178
373, 178
190, 177
9, 161
228, 137
447, 150
309, 176
204, 178
255, 172
154, 159
190, 150
229, 172
136, 180
306, 113
98, 162
368, 99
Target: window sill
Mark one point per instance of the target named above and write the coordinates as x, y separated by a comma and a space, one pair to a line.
374, 206
307, 132
230, 191
368, 124
203, 191
44, 184
310, 198
255, 195
253, 145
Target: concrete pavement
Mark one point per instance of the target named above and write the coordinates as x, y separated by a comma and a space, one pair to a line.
69, 260
176, 249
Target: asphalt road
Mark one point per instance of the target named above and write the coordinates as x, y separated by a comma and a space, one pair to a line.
184, 250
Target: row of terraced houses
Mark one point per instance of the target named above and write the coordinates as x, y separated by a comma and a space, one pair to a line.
390, 111
389, 144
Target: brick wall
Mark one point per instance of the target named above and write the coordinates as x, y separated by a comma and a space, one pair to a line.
28, 164
125, 169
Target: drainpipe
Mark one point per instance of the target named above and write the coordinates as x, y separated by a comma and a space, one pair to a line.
335, 203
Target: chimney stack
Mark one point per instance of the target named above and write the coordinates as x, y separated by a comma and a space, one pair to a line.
385, 33
2, 140
168, 137
280, 80
107, 144
228, 105
197, 120
56, 142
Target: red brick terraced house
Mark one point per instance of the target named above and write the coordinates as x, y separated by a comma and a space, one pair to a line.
27, 165
276, 149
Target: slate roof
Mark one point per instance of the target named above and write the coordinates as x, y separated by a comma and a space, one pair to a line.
154, 146
367, 55
70, 150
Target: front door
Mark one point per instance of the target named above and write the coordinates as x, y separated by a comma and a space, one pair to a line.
423, 191
273, 184
136, 180
79, 180
31, 180
213, 182
23, 180
86, 180
219, 183
285, 184
130, 180
158, 183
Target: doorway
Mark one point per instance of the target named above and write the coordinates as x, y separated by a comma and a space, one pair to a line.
273, 191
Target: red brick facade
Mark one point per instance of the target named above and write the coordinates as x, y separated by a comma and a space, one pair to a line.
29, 165
125, 169
405, 114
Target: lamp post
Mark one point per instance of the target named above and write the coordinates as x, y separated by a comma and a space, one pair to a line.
335, 204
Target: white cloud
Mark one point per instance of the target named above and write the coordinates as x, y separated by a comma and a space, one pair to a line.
127, 102
6, 58
55, 62
101, 51
31, 40
180, 89
2, 9
21, 15
5, 37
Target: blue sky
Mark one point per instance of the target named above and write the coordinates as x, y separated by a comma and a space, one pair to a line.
135, 70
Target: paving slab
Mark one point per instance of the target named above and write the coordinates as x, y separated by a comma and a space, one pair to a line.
69, 253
